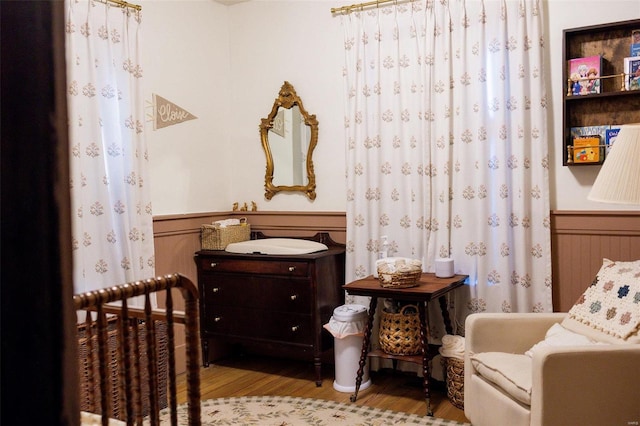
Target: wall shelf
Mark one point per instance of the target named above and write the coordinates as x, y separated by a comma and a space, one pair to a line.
611, 107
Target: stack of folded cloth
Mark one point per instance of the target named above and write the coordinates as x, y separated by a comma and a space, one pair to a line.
452, 346
226, 222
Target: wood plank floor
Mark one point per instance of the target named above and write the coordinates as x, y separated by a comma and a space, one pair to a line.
256, 376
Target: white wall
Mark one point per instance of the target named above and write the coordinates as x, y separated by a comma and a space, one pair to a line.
186, 61
300, 42
571, 185
226, 64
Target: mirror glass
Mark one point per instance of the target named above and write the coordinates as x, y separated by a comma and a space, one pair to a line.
289, 135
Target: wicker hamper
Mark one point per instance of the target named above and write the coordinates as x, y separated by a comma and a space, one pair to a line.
117, 400
215, 237
400, 332
454, 377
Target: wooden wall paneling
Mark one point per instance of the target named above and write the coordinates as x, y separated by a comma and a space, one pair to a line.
297, 224
580, 240
176, 238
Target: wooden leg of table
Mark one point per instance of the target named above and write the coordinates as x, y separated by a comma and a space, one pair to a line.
424, 339
317, 363
445, 314
365, 346
205, 352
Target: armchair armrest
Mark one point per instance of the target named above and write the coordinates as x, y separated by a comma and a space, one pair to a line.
500, 332
510, 333
586, 385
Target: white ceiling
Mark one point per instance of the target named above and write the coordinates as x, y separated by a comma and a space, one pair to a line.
230, 2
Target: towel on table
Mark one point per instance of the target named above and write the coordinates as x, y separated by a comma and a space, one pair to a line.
452, 346
227, 222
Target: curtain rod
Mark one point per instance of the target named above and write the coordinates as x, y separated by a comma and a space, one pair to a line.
124, 4
347, 9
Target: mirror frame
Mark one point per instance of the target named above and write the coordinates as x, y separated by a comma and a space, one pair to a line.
287, 98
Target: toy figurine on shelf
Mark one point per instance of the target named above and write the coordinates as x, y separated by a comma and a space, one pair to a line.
244, 208
254, 206
235, 206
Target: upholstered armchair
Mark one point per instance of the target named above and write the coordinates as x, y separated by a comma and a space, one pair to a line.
576, 368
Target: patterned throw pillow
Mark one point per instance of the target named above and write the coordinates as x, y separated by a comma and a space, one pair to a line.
612, 303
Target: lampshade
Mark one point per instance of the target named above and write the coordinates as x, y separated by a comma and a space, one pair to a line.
619, 177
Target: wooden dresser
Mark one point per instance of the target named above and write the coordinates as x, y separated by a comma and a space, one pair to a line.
273, 305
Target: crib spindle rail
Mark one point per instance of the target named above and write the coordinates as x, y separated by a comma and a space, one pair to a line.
134, 350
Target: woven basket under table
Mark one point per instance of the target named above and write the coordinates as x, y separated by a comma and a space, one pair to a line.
400, 332
454, 376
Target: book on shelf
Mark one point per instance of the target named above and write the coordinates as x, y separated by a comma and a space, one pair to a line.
586, 149
632, 71
590, 130
584, 74
583, 137
610, 137
635, 43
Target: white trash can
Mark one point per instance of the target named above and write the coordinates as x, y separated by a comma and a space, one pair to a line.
347, 327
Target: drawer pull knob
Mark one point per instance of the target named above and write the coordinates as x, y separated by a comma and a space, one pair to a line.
217, 319
294, 296
292, 268
216, 289
213, 264
295, 328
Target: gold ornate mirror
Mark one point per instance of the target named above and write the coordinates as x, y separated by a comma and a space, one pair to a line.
289, 135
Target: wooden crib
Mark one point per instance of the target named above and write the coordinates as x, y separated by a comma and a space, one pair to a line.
127, 355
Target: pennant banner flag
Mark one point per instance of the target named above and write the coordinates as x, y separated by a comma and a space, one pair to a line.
166, 113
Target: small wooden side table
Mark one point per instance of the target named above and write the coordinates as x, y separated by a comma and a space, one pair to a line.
429, 288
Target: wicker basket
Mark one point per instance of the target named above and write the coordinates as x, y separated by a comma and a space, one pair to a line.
400, 332
401, 273
454, 376
214, 237
87, 403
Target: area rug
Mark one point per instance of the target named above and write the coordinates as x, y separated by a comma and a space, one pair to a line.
293, 411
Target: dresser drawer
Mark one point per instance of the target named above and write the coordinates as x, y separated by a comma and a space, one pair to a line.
257, 266
269, 304
259, 292
260, 324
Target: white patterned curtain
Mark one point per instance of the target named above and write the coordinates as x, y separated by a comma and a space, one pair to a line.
447, 147
111, 204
